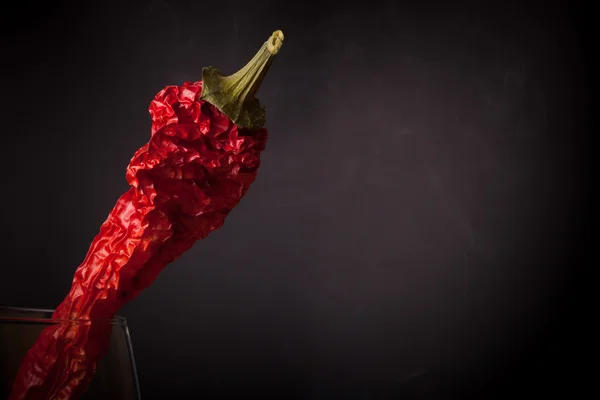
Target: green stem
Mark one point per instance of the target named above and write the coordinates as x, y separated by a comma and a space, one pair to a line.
235, 94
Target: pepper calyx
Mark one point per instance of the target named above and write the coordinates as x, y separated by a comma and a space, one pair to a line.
235, 95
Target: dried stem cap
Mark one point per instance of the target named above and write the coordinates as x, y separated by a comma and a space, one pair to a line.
235, 94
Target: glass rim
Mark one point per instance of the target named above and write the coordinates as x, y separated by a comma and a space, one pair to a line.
116, 320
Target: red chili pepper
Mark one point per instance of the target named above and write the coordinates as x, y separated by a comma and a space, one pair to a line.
203, 155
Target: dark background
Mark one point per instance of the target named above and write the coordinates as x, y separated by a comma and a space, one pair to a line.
418, 220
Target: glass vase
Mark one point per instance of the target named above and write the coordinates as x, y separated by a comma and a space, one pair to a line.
115, 377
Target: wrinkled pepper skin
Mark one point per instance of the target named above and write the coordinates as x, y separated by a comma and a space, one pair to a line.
194, 170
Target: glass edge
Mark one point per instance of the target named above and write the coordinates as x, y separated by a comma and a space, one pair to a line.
116, 320
133, 363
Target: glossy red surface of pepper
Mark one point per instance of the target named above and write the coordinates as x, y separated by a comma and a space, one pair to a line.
194, 170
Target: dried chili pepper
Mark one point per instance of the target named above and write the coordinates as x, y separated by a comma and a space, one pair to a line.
203, 155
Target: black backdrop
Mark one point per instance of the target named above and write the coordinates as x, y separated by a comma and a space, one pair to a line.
417, 220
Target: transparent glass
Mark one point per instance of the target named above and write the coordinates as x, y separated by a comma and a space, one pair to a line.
116, 375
